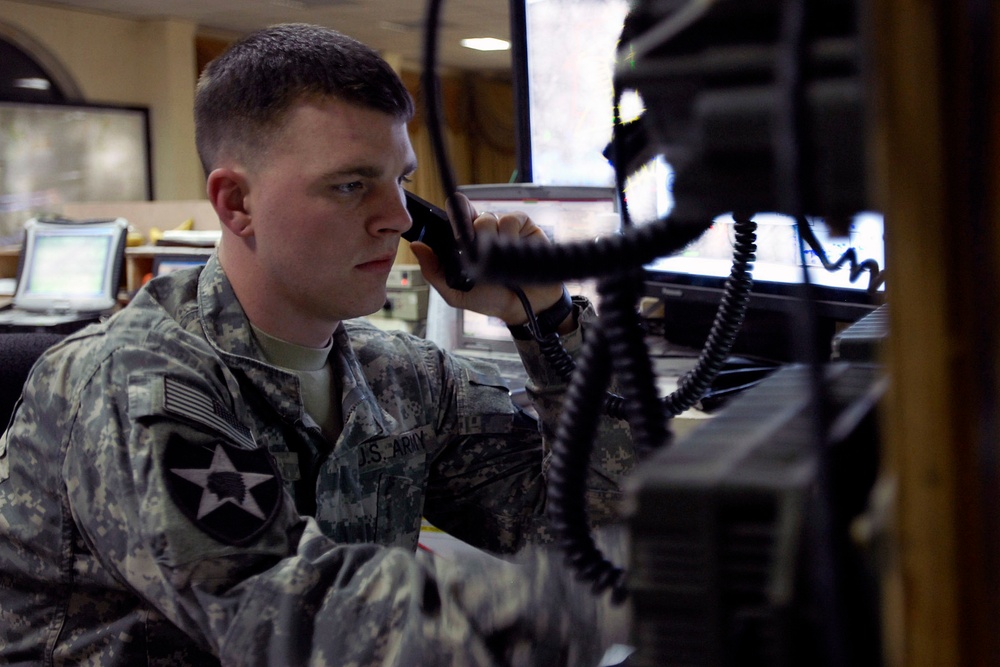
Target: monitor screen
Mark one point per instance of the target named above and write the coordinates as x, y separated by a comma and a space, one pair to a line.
564, 213
54, 154
166, 264
690, 285
564, 63
70, 266
777, 257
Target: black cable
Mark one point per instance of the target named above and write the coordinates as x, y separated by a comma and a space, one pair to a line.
856, 268
718, 345
615, 346
630, 360
431, 89
505, 260
726, 325
569, 464
792, 160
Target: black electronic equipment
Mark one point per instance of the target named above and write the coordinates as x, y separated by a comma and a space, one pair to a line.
740, 552
69, 273
757, 108
728, 562
432, 226
741, 548
734, 87
864, 340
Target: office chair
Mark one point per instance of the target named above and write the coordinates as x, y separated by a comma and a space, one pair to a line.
18, 353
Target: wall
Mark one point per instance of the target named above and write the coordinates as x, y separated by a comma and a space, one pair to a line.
156, 64
119, 61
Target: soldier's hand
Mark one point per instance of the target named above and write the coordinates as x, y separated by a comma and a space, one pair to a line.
490, 298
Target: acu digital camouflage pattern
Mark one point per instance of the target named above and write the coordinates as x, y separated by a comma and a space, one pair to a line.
104, 562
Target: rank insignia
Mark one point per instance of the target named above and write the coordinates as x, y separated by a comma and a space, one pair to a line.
229, 492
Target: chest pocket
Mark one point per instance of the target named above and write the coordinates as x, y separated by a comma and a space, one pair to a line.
375, 492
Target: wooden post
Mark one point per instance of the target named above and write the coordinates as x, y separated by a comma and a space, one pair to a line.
936, 137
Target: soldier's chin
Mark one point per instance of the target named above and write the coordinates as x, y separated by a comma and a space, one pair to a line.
380, 307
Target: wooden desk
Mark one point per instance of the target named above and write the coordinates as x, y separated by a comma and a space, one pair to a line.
139, 261
8, 260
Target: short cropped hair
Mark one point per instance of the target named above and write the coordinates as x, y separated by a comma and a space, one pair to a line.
243, 95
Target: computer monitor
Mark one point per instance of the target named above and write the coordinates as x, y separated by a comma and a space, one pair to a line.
565, 214
70, 266
164, 264
690, 282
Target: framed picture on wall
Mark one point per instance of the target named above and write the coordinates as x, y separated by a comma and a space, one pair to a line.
53, 154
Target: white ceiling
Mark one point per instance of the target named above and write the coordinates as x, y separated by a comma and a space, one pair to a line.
390, 26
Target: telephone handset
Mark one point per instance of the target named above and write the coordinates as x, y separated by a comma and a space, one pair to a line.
432, 226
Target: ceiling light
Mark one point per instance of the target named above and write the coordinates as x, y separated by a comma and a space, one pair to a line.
486, 44
33, 83
394, 26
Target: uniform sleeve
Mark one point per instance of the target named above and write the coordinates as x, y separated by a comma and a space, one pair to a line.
488, 483
183, 509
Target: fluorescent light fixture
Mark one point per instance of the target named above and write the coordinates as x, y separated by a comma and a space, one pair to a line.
394, 26
33, 83
486, 44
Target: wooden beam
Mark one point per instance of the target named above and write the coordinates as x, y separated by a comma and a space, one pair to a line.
936, 136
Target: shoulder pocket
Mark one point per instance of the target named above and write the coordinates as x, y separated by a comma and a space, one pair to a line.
160, 395
485, 378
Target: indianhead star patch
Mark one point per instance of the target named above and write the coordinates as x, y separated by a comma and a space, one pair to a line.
229, 492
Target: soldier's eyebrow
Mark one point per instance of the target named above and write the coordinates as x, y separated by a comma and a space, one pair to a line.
366, 171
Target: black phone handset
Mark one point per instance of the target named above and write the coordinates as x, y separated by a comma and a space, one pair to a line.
431, 226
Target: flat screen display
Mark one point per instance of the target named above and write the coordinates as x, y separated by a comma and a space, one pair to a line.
53, 154
69, 265
778, 260
570, 62
569, 56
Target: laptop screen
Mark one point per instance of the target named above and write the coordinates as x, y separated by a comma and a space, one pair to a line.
70, 266
565, 214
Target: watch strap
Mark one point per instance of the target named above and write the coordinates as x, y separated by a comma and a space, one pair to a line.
548, 320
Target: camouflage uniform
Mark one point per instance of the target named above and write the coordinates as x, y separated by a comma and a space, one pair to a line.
165, 499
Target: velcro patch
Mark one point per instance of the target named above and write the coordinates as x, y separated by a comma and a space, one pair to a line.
185, 401
229, 492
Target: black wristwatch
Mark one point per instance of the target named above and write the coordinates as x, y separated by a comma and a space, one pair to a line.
548, 320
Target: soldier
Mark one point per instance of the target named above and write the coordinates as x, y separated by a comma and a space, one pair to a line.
233, 469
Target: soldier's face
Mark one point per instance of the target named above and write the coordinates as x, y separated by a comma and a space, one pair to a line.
327, 209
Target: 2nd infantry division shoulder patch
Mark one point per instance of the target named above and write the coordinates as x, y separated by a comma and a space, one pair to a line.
229, 492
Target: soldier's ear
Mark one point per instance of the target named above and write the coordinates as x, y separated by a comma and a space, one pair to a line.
227, 191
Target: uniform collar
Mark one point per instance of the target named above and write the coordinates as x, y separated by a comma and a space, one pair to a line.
227, 329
